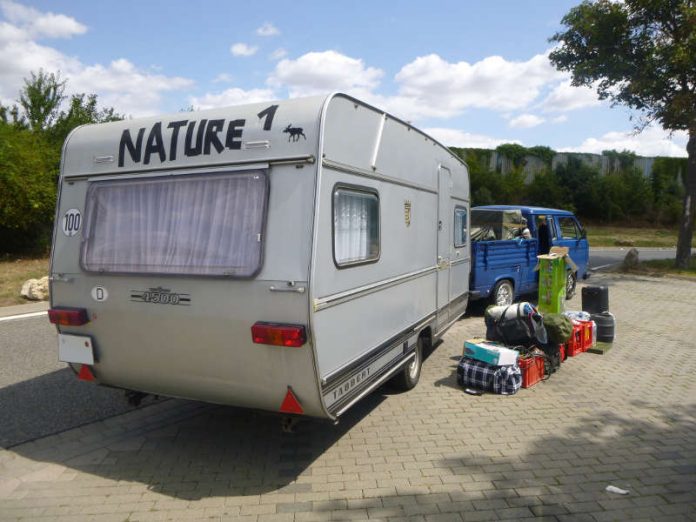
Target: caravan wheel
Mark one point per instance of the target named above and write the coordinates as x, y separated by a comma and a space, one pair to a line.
409, 376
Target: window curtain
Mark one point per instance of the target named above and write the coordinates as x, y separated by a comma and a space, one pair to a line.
198, 225
356, 226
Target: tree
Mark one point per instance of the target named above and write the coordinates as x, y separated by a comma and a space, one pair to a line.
640, 53
41, 98
32, 133
82, 111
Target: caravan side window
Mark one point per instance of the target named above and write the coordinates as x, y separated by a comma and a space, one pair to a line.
355, 226
460, 226
204, 224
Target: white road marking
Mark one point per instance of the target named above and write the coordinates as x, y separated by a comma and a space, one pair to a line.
22, 316
604, 266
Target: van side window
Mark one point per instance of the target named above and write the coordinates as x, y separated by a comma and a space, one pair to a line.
203, 224
460, 226
568, 228
355, 226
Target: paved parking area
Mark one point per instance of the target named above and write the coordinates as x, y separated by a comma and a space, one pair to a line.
626, 418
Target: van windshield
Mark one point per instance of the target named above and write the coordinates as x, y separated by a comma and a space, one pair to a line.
209, 224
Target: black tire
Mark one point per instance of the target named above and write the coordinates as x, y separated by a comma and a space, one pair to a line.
503, 293
571, 284
410, 375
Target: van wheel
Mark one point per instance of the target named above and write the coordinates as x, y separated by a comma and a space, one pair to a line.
503, 293
409, 376
571, 283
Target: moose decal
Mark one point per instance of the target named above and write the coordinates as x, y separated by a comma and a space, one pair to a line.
294, 133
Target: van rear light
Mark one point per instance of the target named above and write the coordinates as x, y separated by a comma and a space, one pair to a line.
278, 334
68, 316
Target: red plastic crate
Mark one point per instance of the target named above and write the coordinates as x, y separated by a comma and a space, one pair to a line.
586, 335
562, 349
574, 346
532, 370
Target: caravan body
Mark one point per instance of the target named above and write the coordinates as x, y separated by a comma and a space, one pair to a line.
287, 256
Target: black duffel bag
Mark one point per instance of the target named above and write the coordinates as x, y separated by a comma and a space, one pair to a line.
516, 324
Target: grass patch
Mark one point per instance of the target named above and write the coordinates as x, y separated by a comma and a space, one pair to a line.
666, 266
612, 236
13, 273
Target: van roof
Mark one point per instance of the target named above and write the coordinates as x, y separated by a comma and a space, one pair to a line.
525, 209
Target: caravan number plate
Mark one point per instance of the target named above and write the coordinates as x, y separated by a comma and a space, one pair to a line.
75, 349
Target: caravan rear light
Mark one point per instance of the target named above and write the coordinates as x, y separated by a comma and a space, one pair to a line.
68, 316
278, 334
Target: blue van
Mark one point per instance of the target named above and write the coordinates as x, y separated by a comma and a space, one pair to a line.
505, 243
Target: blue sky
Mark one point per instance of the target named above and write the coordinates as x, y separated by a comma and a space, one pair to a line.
471, 73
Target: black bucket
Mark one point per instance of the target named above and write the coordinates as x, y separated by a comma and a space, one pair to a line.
606, 325
595, 299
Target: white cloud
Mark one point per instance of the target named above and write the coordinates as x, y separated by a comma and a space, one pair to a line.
458, 138
565, 97
268, 29
231, 97
431, 86
279, 54
653, 141
525, 121
560, 119
242, 49
129, 89
321, 72
37, 24
223, 78
125, 87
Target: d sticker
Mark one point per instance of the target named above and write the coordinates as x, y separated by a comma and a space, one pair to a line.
99, 294
71, 222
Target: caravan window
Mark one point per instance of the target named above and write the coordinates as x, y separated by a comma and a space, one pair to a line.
460, 227
210, 224
355, 226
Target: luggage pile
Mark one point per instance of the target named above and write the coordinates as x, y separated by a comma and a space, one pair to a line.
522, 347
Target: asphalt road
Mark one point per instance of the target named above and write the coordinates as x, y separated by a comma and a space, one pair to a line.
40, 395
602, 258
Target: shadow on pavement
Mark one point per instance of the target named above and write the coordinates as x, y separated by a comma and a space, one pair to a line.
205, 450
54, 402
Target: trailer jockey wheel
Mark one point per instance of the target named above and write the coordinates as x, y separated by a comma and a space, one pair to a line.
409, 376
571, 282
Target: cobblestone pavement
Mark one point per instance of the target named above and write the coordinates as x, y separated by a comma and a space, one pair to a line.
626, 418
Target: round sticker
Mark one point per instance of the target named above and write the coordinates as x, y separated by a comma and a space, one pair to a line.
99, 293
71, 222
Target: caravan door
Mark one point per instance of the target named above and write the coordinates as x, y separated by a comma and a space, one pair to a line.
444, 242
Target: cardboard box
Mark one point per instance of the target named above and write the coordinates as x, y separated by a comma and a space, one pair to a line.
489, 352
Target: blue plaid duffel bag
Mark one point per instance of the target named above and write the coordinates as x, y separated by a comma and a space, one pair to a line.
505, 380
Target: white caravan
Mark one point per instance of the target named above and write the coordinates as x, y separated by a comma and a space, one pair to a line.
287, 256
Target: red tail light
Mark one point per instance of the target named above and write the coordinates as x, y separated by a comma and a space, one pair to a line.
278, 334
68, 316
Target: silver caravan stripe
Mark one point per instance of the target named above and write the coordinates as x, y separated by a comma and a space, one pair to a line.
372, 175
325, 302
185, 169
375, 384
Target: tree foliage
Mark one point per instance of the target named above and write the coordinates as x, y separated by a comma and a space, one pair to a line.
32, 133
639, 53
